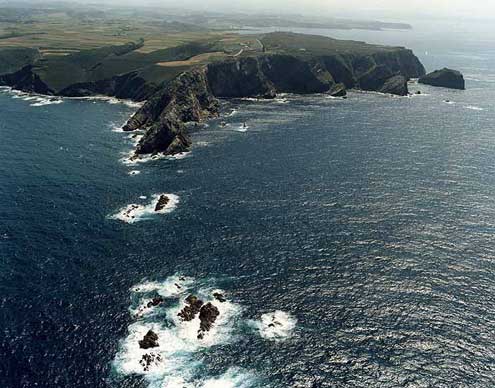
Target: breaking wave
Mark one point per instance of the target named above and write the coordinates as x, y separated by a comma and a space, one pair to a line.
276, 326
141, 212
175, 361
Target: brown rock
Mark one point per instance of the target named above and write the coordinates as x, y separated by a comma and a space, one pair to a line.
192, 308
150, 340
162, 203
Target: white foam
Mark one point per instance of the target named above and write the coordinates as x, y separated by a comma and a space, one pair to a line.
281, 100
110, 100
220, 333
233, 378
179, 156
131, 159
176, 362
474, 108
137, 212
242, 128
167, 288
134, 172
47, 102
449, 102
275, 326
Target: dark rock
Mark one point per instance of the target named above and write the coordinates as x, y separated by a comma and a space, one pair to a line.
148, 359
186, 99
150, 340
192, 308
27, 81
338, 90
219, 297
162, 203
192, 96
127, 86
381, 79
155, 302
446, 78
418, 92
395, 85
207, 315
242, 77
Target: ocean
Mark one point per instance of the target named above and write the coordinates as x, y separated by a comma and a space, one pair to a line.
354, 240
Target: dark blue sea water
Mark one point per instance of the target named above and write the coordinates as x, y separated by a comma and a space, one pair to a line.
365, 226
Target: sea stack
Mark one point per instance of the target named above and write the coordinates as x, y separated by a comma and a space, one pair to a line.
446, 78
162, 203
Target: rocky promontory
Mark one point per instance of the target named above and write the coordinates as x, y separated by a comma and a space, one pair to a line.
183, 84
193, 95
446, 78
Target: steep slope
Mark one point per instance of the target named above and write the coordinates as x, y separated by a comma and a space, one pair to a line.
179, 88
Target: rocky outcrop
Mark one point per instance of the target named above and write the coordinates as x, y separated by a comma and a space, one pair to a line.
396, 85
128, 86
186, 99
193, 95
239, 78
27, 81
446, 78
155, 302
162, 203
207, 316
289, 63
148, 360
338, 90
149, 341
192, 308
218, 296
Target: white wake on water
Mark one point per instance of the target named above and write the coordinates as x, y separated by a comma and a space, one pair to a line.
471, 107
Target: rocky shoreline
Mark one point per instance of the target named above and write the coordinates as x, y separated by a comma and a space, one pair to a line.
193, 95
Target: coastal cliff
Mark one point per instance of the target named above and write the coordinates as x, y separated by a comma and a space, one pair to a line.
188, 98
193, 95
183, 84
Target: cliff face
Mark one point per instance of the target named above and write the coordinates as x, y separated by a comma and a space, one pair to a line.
192, 96
128, 86
178, 89
446, 78
26, 80
186, 99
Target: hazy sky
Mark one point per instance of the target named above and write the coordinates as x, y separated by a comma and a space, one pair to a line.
400, 8
376, 9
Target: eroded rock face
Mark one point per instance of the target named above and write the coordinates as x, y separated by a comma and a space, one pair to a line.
162, 203
338, 90
27, 81
188, 98
446, 78
207, 315
149, 341
192, 308
192, 96
395, 85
